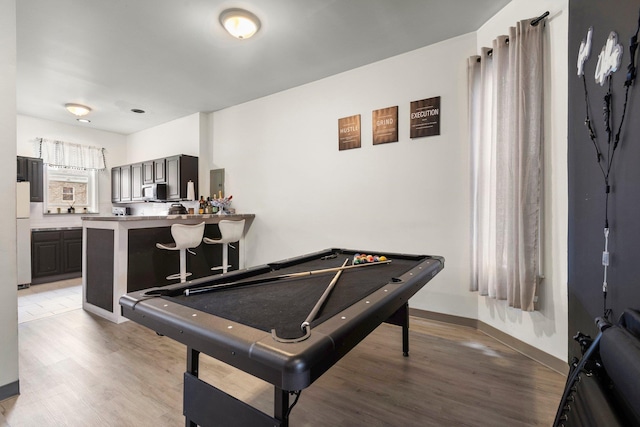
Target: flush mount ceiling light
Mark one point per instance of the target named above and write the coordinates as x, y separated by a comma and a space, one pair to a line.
77, 109
240, 23
84, 120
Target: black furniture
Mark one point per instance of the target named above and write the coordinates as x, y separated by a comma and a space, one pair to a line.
603, 388
175, 171
256, 327
31, 169
56, 254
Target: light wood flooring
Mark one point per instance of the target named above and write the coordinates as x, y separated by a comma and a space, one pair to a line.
80, 370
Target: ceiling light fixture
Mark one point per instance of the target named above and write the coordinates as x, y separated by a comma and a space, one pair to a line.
77, 109
84, 120
240, 23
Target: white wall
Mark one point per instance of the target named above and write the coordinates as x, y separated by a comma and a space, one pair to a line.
30, 128
180, 136
547, 327
282, 163
8, 286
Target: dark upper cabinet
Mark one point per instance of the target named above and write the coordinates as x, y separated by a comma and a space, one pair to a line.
121, 178
173, 178
180, 170
22, 169
30, 169
125, 183
153, 171
136, 181
159, 171
115, 184
148, 172
36, 179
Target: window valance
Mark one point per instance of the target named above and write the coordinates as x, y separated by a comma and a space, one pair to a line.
69, 155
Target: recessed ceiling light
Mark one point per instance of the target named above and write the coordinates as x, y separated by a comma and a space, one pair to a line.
137, 110
240, 23
84, 120
77, 109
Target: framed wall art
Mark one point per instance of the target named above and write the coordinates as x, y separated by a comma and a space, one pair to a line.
385, 125
349, 132
425, 117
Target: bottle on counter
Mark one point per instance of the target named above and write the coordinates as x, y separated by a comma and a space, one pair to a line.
208, 208
201, 206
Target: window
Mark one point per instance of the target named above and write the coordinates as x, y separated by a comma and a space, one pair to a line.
68, 194
70, 188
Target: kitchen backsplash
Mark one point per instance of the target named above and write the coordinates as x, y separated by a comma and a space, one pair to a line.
40, 220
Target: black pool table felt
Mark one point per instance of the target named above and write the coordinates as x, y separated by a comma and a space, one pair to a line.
283, 305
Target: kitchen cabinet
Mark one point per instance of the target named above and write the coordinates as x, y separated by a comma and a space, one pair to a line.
31, 169
125, 183
175, 171
173, 178
36, 179
180, 170
159, 171
56, 254
72, 251
22, 169
115, 184
136, 181
121, 184
147, 172
153, 171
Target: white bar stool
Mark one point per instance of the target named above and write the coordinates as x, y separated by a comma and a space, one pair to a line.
231, 231
185, 237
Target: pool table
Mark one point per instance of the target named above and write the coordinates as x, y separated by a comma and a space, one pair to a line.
252, 319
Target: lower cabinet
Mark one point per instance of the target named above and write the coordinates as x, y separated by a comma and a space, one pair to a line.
56, 255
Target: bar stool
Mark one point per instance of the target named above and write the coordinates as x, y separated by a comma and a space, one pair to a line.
185, 237
231, 231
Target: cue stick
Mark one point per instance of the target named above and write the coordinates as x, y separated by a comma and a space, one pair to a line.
305, 326
212, 288
323, 298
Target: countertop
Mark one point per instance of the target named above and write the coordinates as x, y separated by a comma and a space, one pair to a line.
233, 217
55, 228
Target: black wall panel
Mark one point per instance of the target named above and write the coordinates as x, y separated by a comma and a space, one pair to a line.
586, 182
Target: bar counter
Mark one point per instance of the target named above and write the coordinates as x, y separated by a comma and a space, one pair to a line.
119, 256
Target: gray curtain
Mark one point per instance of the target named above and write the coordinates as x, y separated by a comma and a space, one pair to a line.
506, 137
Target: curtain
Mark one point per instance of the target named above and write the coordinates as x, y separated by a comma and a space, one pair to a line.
70, 155
506, 139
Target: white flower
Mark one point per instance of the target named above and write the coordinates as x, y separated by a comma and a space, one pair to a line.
609, 58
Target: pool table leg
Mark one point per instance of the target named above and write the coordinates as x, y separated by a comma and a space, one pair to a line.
193, 365
405, 331
401, 318
281, 406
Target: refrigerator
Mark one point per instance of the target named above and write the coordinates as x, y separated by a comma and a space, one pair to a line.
23, 234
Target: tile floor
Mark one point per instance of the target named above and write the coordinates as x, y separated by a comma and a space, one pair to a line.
47, 299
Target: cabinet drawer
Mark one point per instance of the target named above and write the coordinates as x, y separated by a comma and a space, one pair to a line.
46, 236
72, 234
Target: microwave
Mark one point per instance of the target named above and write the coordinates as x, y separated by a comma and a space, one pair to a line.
152, 192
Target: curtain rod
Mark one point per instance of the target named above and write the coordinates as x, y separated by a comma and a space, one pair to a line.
534, 23
539, 18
